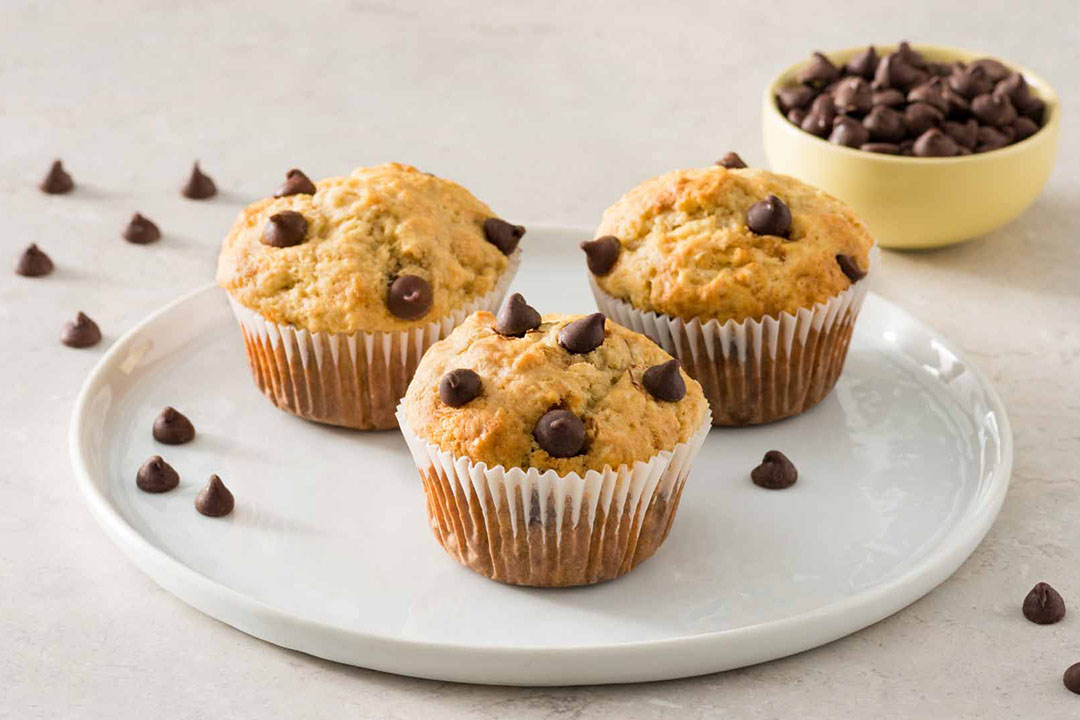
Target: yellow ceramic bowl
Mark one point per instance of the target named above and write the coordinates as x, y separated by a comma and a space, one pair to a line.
910, 202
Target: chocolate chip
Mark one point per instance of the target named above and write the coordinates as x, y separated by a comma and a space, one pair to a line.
993, 69
775, 472
991, 138
1071, 678
601, 254
214, 500
996, 110
888, 97
885, 124
731, 161
1024, 128
882, 148
965, 134
156, 476
850, 267
503, 235
516, 317
934, 143
584, 334
409, 297
769, 217
173, 428
560, 433
955, 103
970, 81
141, 230
198, 186
459, 387
1044, 605
819, 71
816, 124
33, 262
284, 229
849, 132
1016, 89
794, 97
864, 64
665, 382
796, 116
853, 95
930, 92
56, 181
825, 106
909, 55
894, 72
920, 117
82, 332
296, 183
939, 69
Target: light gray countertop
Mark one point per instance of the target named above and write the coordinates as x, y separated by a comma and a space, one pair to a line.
548, 112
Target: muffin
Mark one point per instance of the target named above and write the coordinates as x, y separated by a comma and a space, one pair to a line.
553, 450
753, 280
341, 285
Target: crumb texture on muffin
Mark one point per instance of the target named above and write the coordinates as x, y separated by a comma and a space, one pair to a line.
363, 231
523, 378
686, 250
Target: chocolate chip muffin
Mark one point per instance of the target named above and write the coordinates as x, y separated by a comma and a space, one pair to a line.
752, 279
341, 285
553, 450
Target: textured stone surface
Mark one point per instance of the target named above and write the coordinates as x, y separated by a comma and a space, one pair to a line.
549, 113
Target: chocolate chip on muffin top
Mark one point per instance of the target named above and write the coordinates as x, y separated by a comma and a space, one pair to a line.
530, 401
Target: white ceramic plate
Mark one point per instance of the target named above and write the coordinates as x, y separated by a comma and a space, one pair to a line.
902, 470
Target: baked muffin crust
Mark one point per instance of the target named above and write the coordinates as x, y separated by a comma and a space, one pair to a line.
686, 250
363, 231
522, 378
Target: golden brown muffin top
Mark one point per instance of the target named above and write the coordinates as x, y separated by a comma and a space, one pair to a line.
523, 378
685, 248
363, 232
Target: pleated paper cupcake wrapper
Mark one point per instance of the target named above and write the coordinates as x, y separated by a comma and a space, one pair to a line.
756, 371
354, 380
526, 527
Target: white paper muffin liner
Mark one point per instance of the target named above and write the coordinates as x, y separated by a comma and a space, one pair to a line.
527, 527
755, 371
350, 379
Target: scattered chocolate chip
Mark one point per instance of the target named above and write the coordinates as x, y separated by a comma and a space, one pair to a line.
888, 97
516, 317
409, 297
920, 117
996, 110
296, 183
82, 332
665, 382
993, 69
864, 64
853, 95
795, 97
601, 254
33, 262
156, 476
560, 433
1044, 605
885, 124
850, 268
584, 334
1024, 128
284, 229
970, 81
775, 472
173, 428
769, 217
819, 71
56, 181
459, 387
882, 148
214, 500
965, 134
503, 235
198, 186
848, 131
1071, 678
731, 161
931, 92
934, 143
141, 230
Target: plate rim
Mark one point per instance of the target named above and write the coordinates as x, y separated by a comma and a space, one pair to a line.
544, 665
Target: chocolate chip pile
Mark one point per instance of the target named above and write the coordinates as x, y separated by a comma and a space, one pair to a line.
903, 104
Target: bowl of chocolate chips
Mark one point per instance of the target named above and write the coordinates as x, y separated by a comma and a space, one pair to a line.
930, 145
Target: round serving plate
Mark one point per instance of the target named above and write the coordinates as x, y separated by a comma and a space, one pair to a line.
902, 471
